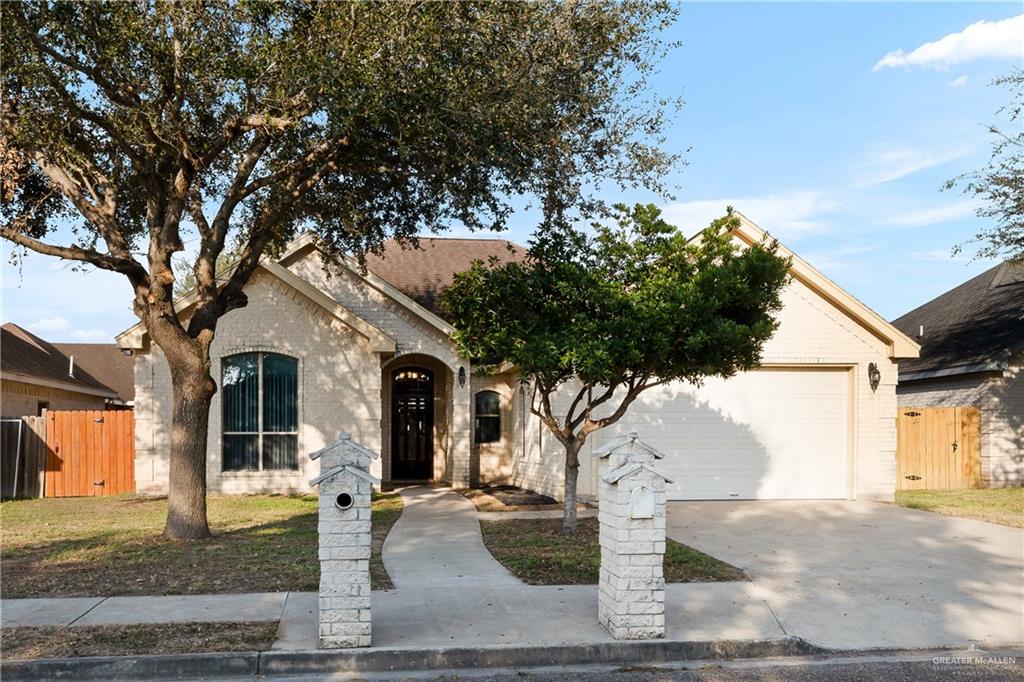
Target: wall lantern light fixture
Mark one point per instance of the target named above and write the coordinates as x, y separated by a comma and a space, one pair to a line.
874, 376
462, 377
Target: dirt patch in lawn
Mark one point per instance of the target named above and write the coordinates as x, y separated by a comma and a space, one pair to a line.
509, 499
537, 552
1004, 506
112, 546
24, 643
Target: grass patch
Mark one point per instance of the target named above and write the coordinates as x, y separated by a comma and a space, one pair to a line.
537, 552
995, 505
105, 546
24, 643
387, 507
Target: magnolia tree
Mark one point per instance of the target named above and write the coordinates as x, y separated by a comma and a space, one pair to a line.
132, 128
591, 322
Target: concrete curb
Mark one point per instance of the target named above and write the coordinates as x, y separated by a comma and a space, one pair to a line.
191, 666
162, 667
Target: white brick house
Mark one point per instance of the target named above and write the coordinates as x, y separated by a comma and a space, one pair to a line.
314, 354
972, 354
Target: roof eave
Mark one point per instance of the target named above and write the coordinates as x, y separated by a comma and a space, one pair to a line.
900, 345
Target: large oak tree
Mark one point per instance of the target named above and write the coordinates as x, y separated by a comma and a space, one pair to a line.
130, 128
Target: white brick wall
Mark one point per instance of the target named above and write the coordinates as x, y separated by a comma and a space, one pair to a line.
340, 378
812, 332
339, 388
1000, 397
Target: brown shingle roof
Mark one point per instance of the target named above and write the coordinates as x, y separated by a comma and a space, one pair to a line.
979, 322
423, 274
106, 363
22, 352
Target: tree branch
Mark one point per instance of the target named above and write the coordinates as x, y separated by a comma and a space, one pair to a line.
126, 266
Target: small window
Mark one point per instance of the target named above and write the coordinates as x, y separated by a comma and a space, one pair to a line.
42, 406
488, 417
261, 412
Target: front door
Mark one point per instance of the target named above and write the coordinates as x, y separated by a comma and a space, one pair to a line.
412, 424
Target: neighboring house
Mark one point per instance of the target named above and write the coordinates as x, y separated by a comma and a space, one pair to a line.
972, 353
37, 375
369, 353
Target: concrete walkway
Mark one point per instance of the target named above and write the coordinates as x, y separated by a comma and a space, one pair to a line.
475, 615
437, 543
449, 591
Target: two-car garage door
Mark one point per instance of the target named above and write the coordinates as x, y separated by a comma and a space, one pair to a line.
769, 434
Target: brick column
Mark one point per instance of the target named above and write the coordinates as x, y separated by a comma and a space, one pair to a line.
631, 499
462, 429
344, 543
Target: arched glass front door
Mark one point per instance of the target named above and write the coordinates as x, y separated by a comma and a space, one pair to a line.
412, 424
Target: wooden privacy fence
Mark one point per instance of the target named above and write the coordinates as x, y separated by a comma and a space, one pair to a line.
68, 454
938, 448
90, 453
22, 456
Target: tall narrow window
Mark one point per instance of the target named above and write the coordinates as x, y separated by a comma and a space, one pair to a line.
261, 412
488, 417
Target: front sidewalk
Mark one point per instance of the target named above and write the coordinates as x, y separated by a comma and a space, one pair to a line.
449, 592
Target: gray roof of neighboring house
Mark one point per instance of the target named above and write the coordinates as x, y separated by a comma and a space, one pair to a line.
25, 354
974, 327
106, 363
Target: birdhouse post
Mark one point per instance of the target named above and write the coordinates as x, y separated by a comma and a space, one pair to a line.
345, 486
631, 500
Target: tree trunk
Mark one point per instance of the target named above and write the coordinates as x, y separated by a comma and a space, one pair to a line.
193, 389
572, 473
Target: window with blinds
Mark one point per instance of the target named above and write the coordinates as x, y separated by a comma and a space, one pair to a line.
261, 412
488, 417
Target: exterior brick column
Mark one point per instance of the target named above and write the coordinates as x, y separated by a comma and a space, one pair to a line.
631, 499
346, 488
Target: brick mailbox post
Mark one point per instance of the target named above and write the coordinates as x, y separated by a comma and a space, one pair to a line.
344, 531
631, 513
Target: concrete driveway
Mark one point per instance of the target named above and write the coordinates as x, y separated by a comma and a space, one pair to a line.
854, 575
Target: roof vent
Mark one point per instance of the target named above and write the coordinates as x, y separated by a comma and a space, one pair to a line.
920, 332
71, 366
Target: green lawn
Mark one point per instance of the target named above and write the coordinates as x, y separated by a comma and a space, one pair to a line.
995, 505
538, 552
112, 546
22, 643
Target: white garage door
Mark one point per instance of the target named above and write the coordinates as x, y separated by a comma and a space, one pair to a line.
769, 434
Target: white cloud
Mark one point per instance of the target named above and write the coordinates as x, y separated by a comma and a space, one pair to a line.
958, 82
837, 258
941, 256
58, 328
783, 215
983, 39
933, 216
893, 164
49, 325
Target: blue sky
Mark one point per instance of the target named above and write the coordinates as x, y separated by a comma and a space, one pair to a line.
788, 119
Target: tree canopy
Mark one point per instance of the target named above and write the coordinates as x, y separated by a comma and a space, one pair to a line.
608, 315
1000, 185
129, 129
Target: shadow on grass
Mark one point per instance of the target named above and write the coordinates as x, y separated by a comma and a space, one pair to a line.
112, 546
267, 557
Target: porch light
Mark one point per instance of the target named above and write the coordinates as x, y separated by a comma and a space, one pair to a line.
874, 376
462, 377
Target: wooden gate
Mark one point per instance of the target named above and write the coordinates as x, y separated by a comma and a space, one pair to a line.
22, 456
90, 453
938, 448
